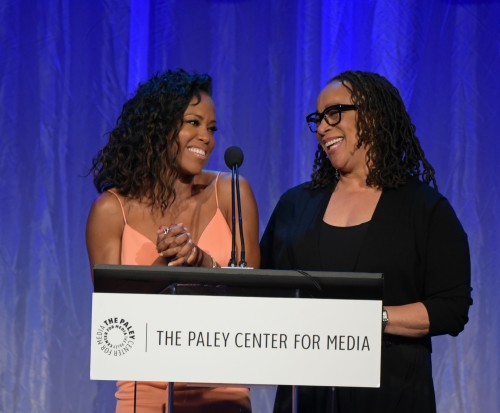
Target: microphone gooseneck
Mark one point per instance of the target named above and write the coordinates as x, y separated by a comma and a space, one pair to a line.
234, 158
232, 260
242, 262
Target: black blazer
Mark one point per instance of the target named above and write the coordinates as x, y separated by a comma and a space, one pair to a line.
414, 238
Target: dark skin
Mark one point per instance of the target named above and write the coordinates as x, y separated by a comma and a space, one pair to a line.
179, 247
188, 215
353, 201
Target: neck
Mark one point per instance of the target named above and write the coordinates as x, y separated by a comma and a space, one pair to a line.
352, 181
187, 186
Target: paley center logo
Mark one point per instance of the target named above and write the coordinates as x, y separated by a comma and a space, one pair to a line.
115, 336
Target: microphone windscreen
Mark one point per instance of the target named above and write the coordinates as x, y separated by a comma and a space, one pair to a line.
233, 156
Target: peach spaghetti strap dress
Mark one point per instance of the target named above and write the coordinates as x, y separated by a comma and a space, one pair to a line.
137, 249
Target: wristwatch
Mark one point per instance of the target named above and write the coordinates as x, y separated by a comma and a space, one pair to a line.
385, 318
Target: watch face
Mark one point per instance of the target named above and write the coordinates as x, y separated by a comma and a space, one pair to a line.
385, 318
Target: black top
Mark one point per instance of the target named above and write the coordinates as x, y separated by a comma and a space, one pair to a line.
414, 238
340, 246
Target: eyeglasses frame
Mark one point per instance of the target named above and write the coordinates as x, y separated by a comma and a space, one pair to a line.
322, 115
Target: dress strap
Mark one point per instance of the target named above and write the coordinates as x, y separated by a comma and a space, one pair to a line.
120, 202
216, 196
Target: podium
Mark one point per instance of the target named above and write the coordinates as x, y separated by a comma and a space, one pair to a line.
236, 326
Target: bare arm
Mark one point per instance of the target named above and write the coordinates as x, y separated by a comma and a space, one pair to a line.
104, 231
410, 320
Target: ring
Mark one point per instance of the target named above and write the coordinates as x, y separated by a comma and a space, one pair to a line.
166, 231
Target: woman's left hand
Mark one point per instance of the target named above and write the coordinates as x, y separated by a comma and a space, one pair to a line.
174, 244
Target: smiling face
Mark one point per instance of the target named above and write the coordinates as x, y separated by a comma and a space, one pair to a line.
196, 137
340, 141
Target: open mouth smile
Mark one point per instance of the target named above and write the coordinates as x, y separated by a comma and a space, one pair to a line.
332, 143
197, 151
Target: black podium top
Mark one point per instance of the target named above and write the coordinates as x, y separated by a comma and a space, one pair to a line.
237, 281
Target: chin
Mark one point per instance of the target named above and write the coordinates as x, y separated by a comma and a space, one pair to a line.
187, 172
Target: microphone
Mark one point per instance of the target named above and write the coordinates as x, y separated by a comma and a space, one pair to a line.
234, 158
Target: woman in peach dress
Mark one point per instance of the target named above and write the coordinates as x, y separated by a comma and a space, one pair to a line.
157, 206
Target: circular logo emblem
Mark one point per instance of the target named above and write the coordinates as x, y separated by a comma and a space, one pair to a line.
115, 336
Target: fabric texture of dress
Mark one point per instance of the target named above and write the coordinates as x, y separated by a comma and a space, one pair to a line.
137, 249
415, 239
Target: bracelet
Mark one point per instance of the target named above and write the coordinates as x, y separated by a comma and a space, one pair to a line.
214, 263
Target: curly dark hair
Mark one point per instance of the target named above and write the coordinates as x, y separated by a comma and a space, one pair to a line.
140, 158
394, 151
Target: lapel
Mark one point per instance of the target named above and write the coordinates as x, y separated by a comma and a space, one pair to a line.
379, 239
305, 235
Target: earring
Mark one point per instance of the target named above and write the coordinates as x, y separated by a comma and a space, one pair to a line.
337, 174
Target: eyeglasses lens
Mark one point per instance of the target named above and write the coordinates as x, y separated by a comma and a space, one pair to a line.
331, 115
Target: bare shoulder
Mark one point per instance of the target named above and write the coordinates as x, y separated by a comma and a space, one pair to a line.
106, 204
104, 230
105, 223
208, 177
224, 187
106, 212
225, 179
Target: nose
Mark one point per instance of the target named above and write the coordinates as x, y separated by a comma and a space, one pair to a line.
322, 127
204, 135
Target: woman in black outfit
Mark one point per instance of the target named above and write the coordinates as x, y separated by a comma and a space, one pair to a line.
370, 207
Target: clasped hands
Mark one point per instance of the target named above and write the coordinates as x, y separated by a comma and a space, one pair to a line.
175, 246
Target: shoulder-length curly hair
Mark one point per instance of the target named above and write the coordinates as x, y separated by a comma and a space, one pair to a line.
384, 126
140, 158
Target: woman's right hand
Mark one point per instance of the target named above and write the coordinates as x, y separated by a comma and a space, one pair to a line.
175, 246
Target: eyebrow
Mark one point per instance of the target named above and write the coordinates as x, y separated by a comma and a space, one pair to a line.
199, 117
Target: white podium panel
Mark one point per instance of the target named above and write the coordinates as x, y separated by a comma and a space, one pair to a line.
236, 340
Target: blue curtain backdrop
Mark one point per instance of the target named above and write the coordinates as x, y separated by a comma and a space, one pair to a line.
66, 67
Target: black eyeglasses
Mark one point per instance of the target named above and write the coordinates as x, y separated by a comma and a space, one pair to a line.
331, 115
